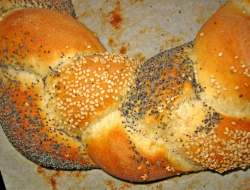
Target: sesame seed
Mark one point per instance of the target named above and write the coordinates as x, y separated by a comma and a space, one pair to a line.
212, 154
236, 88
212, 80
220, 54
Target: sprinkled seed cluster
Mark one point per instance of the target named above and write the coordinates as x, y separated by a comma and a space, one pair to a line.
17, 51
243, 69
83, 89
212, 118
220, 154
216, 85
22, 120
158, 86
63, 6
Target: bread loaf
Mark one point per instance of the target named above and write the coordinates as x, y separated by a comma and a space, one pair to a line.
71, 105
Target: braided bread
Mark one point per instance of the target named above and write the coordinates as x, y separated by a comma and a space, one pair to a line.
68, 104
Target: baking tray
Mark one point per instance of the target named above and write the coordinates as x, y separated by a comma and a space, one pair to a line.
140, 29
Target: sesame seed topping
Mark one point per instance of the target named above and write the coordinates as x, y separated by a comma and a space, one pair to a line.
212, 80
220, 54
78, 80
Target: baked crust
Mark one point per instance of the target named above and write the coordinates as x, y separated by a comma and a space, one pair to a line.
184, 110
116, 152
172, 118
41, 39
138, 142
33, 42
221, 52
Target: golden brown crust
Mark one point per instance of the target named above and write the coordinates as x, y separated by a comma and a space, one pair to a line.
88, 88
115, 152
223, 145
43, 37
212, 130
187, 109
221, 51
23, 121
33, 42
133, 143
